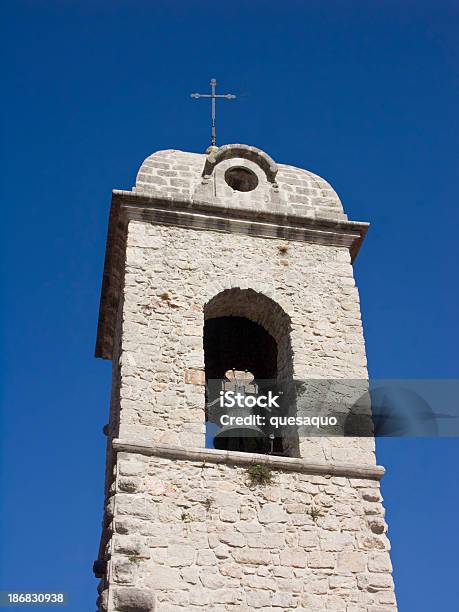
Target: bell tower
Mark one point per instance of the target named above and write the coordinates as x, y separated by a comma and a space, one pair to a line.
229, 269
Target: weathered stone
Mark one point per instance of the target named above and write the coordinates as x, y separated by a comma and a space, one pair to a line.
377, 525
199, 596
130, 468
190, 574
206, 557
124, 570
229, 515
222, 551
337, 541
258, 599
128, 484
154, 486
309, 540
375, 582
272, 513
293, 558
379, 562
351, 561
163, 578
179, 555
321, 560
130, 545
224, 596
252, 556
212, 580
134, 600
370, 495
248, 527
232, 538
342, 582
263, 540
372, 542
284, 600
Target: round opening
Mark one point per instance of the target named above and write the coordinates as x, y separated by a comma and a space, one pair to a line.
241, 179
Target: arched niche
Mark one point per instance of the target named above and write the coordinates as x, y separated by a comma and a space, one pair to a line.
246, 330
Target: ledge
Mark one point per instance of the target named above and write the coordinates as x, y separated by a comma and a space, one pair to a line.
290, 464
282, 223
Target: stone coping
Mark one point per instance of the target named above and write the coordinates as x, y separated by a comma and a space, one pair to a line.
292, 464
277, 215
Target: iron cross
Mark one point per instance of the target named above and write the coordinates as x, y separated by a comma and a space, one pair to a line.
213, 96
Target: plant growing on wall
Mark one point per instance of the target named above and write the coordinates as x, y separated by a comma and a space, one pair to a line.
259, 475
315, 512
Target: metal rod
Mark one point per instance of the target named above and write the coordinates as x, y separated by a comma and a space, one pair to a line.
213, 84
213, 96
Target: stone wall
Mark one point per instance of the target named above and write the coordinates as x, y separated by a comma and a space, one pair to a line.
193, 535
172, 273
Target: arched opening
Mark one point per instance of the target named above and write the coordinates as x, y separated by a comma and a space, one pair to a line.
241, 344
241, 179
247, 352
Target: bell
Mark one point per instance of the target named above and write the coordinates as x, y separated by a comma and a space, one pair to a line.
241, 430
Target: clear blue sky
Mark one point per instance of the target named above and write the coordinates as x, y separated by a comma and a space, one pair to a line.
362, 93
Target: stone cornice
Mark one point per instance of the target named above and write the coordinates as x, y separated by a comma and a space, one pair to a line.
207, 455
186, 212
180, 211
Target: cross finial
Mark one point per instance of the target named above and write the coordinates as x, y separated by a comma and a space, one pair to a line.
213, 96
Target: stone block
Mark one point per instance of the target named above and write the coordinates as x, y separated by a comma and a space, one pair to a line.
133, 600
163, 578
199, 596
232, 538
377, 525
374, 582
130, 467
293, 558
251, 556
334, 541
284, 600
264, 540
211, 579
124, 570
195, 377
190, 574
308, 540
179, 555
229, 515
351, 562
130, 545
206, 557
379, 562
258, 599
129, 484
272, 513
320, 560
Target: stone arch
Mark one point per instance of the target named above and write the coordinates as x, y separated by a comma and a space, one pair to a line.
230, 308
240, 151
260, 309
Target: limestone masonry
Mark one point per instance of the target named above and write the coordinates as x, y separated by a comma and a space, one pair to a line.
233, 238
